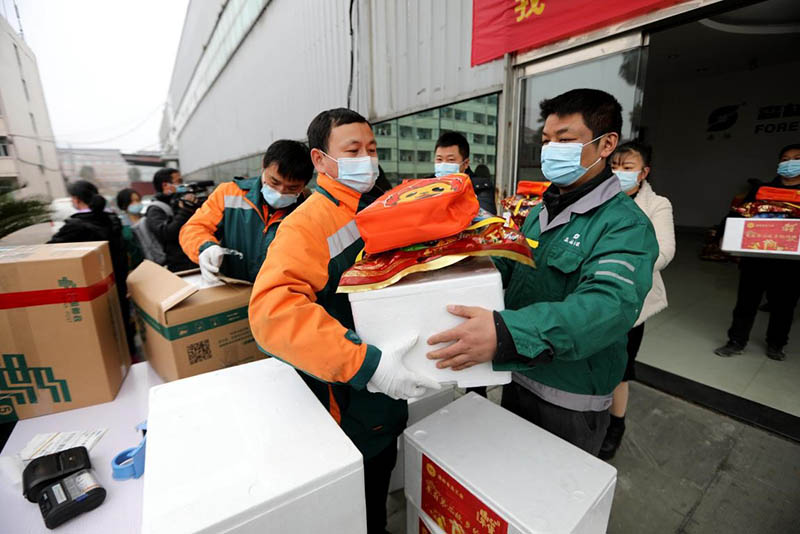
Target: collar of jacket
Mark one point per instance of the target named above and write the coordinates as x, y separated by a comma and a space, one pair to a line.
645, 194
340, 193
597, 196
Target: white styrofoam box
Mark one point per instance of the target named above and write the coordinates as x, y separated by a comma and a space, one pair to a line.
418, 409
515, 471
417, 522
248, 449
742, 234
418, 305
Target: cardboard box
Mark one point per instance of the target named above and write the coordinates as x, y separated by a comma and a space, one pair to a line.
189, 327
418, 409
762, 237
474, 461
418, 304
62, 341
248, 449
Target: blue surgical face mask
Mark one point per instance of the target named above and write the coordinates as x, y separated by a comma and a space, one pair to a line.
789, 168
444, 168
628, 179
181, 188
276, 199
135, 209
359, 174
561, 162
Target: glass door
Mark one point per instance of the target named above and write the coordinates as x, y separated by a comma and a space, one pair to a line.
615, 66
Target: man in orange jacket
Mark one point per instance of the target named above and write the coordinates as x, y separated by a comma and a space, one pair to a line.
297, 316
242, 216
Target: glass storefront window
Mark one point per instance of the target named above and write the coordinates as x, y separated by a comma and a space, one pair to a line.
406, 145
618, 74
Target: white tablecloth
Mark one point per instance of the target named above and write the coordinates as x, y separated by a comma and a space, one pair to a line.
122, 510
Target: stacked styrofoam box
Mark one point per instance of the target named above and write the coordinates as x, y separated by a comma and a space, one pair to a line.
509, 472
418, 409
248, 449
418, 305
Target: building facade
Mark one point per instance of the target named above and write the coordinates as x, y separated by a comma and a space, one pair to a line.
104, 167
28, 160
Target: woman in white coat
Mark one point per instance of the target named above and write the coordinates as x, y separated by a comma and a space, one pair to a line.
631, 164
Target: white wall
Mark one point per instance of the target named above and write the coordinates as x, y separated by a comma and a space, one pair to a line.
201, 15
701, 171
296, 60
293, 64
16, 108
415, 54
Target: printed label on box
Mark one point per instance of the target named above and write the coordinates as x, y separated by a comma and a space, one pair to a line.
20, 384
775, 235
453, 507
422, 528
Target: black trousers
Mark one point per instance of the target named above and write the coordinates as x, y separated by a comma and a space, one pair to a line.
635, 336
780, 281
377, 474
585, 430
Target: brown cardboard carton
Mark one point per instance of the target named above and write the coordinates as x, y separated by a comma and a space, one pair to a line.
62, 341
189, 329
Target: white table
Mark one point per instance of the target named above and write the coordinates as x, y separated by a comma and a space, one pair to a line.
122, 510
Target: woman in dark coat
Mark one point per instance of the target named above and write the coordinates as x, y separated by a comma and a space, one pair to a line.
93, 223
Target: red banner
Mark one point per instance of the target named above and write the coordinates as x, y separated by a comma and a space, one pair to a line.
774, 234
500, 26
453, 507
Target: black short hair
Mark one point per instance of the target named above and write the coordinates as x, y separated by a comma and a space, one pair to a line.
644, 150
600, 111
125, 197
454, 139
293, 159
787, 148
320, 128
87, 193
483, 171
163, 176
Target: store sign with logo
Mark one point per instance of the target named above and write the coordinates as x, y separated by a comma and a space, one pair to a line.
501, 26
769, 119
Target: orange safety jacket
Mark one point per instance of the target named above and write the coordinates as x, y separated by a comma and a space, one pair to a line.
297, 316
235, 216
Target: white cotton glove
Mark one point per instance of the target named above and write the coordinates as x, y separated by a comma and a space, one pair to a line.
210, 260
393, 378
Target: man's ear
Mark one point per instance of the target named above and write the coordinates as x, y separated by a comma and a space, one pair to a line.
466, 163
318, 158
609, 144
645, 174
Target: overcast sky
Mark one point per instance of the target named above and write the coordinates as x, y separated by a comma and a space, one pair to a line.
105, 66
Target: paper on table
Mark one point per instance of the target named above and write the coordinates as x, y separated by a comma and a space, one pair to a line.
49, 443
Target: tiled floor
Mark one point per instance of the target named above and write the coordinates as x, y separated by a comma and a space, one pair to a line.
682, 338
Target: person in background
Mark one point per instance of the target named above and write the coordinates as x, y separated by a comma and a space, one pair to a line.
130, 206
243, 215
93, 222
166, 226
297, 316
631, 165
774, 276
564, 328
451, 156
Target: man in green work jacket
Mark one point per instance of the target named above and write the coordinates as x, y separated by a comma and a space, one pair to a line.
564, 329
